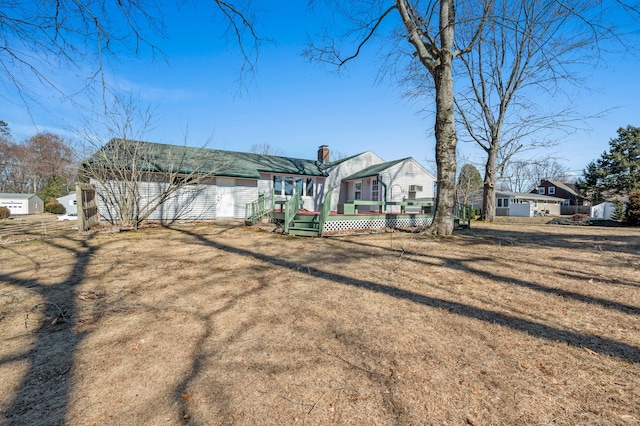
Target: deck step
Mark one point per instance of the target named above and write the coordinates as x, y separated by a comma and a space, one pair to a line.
304, 231
305, 225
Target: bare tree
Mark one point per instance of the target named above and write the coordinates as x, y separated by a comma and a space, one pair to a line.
27, 166
265, 149
528, 48
134, 178
42, 37
429, 27
524, 175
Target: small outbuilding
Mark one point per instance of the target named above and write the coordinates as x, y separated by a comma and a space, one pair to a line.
520, 203
69, 202
22, 203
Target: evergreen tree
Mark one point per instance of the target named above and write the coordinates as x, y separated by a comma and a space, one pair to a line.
591, 184
616, 172
469, 180
622, 162
632, 215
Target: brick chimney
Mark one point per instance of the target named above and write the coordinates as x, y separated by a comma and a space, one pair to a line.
323, 153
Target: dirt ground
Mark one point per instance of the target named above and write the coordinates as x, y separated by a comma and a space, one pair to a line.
516, 322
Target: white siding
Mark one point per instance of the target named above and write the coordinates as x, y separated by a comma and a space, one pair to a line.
520, 209
399, 178
15, 206
344, 169
246, 192
69, 202
189, 203
265, 184
402, 175
22, 203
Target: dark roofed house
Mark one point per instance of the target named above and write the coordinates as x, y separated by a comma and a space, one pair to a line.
572, 202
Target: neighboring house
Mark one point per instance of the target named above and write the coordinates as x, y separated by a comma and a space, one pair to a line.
22, 203
69, 202
237, 178
566, 191
524, 204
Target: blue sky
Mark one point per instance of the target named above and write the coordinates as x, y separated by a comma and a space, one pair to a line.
295, 106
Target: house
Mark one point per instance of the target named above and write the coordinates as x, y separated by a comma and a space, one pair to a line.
572, 202
22, 203
367, 177
234, 179
69, 202
520, 203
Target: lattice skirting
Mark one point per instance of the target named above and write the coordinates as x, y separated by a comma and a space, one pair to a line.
375, 224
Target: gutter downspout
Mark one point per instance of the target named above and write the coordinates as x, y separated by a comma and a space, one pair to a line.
384, 205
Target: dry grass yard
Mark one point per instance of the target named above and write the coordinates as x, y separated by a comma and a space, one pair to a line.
511, 323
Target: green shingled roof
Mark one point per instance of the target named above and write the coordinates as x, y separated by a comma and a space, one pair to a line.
374, 170
162, 158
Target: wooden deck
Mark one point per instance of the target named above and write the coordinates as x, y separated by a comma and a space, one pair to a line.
340, 223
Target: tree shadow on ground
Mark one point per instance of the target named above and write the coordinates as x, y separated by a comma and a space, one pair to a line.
592, 342
434, 259
43, 395
579, 239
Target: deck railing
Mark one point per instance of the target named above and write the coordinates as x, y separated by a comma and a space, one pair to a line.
325, 210
463, 212
291, 208
259, 208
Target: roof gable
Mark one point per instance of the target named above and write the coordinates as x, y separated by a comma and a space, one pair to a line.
373, 170
563, 186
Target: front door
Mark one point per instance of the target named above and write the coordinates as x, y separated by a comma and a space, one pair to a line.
225, 199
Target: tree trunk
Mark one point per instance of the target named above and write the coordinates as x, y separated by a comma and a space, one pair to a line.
445, 130
446, 141
489, 192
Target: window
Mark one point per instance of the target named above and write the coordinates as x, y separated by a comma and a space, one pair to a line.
309, 187
375, 190
409, 168
552, 190
541, 190
358, 191
503, 202
288, 185
277, 185
566, 202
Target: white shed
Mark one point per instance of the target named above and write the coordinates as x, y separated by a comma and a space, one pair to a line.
69, 202
22, 203
604, 210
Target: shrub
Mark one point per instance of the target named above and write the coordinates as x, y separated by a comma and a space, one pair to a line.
632, 216
54, 207
4, 212
579, 217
